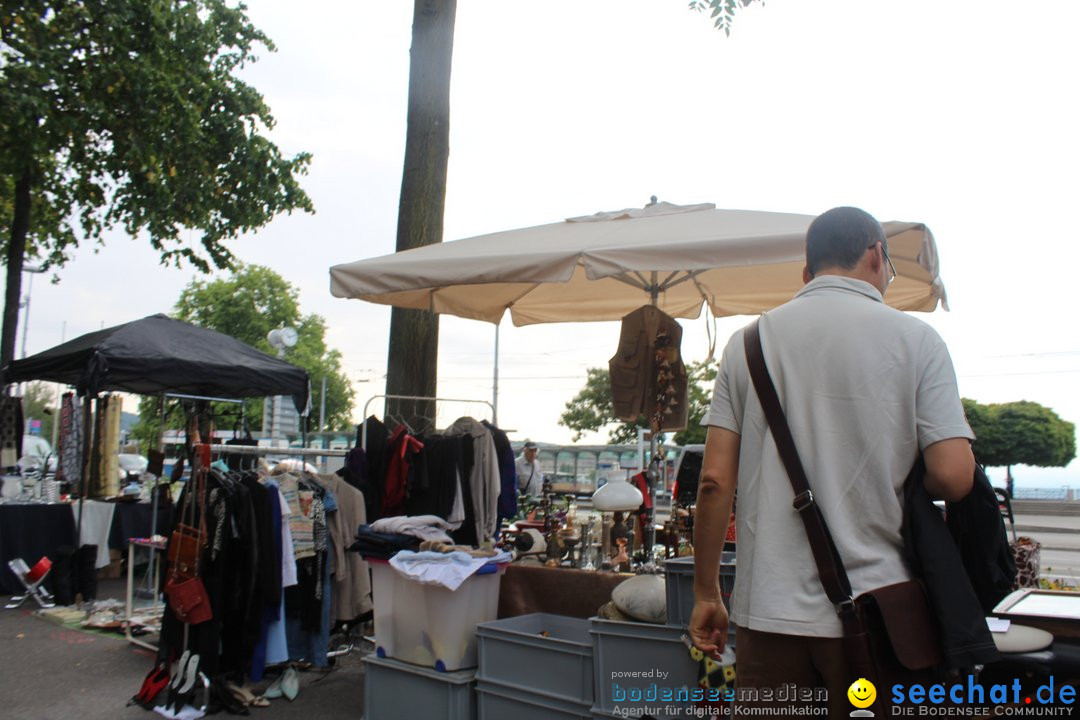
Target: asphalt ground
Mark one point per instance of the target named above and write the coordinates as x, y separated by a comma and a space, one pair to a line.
51, 672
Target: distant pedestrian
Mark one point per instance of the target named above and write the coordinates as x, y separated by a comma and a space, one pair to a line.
530, 477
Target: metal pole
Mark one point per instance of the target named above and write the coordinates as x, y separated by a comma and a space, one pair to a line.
495, 382
29, 289
322, 407
652, 475
59, 407
154, 503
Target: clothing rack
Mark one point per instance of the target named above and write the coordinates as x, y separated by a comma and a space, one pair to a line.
373, 398
259, 450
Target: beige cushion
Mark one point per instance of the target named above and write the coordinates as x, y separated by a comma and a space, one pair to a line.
642, 597
1022, 639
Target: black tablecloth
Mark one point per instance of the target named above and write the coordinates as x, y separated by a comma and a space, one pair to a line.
132, 520
28, 532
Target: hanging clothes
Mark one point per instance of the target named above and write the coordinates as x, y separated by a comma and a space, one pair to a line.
484, 481
69, 467
508, 494
350, 588
11, 430
400, 451
647, 373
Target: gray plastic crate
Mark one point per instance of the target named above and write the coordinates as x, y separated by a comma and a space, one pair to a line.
498, 701
395, 689
635, 656
514, 652
679, 576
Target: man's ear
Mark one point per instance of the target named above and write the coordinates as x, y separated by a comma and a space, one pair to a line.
806, 276
877, 257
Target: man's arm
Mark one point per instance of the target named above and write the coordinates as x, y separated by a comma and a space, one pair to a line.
716, 492
950, 469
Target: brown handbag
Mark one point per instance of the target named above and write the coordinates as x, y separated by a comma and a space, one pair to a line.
890, 633
184, 588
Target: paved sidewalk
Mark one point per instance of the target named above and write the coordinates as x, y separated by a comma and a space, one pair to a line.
49, 672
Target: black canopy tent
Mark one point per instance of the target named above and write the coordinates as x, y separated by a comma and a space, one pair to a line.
159, 354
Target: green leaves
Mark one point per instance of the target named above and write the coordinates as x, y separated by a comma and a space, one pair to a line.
721, 11
127, 113
1020, 433
591, 409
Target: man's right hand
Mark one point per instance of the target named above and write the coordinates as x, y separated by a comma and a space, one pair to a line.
709, 627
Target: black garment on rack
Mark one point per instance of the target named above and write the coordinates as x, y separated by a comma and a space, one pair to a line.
375, 448
300, 599
466, 534
356, 472
433, 477
508, 493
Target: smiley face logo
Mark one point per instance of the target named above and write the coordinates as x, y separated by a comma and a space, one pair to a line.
862, 693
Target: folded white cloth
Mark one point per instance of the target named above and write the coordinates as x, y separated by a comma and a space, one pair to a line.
425, 527
449, 570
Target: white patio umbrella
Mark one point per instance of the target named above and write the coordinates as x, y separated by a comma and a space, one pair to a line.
603, 266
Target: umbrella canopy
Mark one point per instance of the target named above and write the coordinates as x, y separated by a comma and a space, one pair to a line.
159, 354
604, 266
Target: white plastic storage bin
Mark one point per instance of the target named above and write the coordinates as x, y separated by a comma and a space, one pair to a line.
640, 659
679, 577
498, 701
428, 624
396, 690
540, 652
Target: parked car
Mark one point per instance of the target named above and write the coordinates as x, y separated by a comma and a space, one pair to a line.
687, 472
131, 466
37, 451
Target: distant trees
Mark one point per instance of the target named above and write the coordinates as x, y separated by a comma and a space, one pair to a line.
591, 409
247, 305
1020, 433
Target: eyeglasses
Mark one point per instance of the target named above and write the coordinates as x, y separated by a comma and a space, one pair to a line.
888, 260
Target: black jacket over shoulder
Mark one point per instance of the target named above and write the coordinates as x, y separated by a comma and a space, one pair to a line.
979, 531
934, 557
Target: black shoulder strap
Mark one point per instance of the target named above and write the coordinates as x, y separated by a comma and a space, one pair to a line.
830, 567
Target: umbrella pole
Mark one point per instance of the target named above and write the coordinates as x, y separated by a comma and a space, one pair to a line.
495, 382
648, 533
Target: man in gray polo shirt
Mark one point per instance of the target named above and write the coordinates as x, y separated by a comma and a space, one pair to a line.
865, 389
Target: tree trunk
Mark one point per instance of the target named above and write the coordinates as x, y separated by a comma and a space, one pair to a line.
1009, 485
20, 225
412, 361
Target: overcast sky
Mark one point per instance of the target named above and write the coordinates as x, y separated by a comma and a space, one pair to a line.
956, 114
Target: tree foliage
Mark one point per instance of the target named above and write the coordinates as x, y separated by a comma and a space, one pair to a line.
247, 305
1020, 433
591, 409
129, 113
721, 11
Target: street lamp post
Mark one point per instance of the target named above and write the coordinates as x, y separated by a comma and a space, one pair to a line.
33, 270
